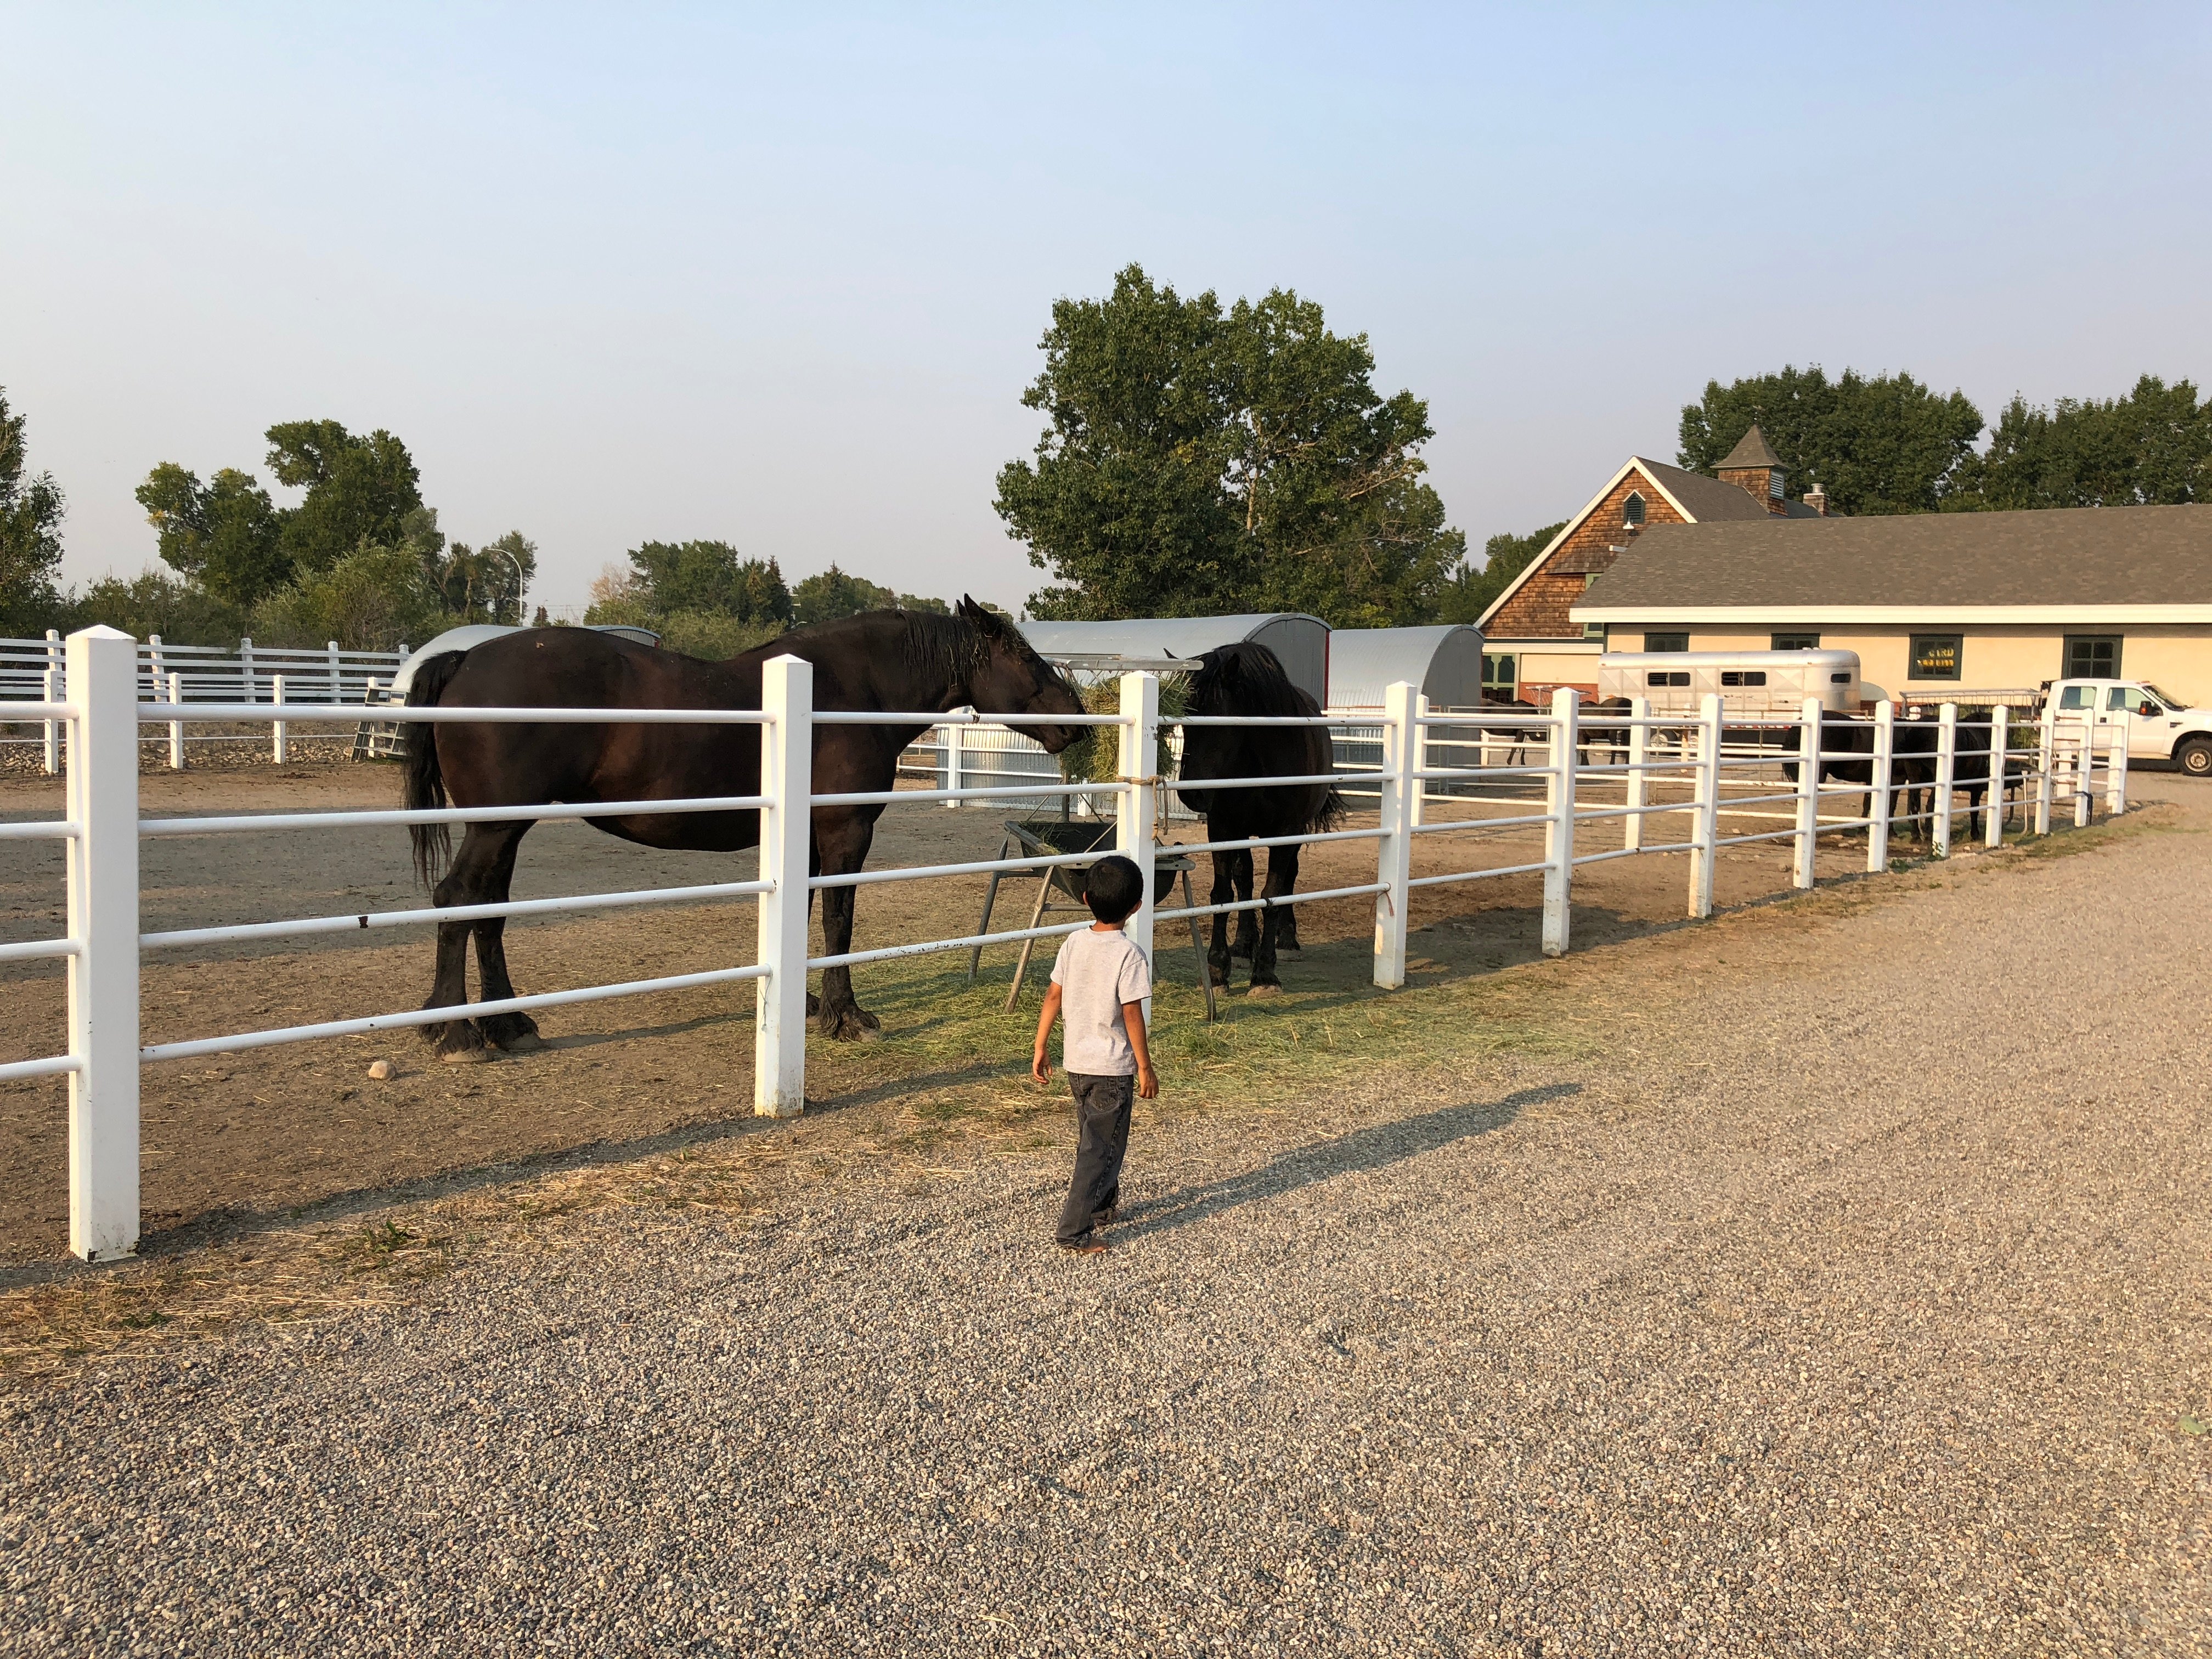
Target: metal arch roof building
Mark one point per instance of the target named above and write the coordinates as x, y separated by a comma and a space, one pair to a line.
1300, 642
1442, 662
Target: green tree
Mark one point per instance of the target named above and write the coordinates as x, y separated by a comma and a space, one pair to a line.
358, 490
1199, 462
833, 593
31, 508
1472, 591
487, 583
1881, 445
709, 577
224, 536
372, 600
2153, 446
156, 602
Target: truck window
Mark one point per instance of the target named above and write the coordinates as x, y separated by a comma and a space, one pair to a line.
2078, 696
2122, 697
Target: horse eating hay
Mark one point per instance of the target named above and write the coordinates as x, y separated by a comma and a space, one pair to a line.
886, 661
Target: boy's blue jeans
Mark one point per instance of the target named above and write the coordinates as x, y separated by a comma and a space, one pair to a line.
1102, 1117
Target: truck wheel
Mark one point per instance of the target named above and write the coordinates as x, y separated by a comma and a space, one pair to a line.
2195, 759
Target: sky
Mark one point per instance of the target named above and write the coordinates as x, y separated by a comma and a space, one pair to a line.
777, 277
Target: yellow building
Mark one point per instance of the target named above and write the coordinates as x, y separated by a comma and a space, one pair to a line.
1943, 605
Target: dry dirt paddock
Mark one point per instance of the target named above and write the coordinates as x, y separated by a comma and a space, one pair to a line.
254, 1135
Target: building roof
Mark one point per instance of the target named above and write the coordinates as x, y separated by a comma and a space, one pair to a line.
1751, 450
2074, 559
1443, 661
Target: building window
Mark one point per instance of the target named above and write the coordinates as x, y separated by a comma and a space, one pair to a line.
1797, 641
1936, 656
1666, 641
1632, 510
1593, 631
1499, 677
2091, 656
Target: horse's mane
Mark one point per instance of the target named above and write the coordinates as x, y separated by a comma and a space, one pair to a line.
1246, 679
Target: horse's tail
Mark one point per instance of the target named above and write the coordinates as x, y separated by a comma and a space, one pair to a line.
426, 783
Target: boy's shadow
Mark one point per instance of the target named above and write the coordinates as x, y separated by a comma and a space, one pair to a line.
1363, 1149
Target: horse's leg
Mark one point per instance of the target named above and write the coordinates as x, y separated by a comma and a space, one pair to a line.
1282, 877
1248, 923
1216, 955
515, 1032
843, 839
466, 883
1284, 858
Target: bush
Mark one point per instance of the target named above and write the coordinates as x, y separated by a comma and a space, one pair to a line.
374, 599
156, 602
705, 632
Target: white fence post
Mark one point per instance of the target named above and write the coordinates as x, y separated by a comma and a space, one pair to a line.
176, 727
1639, 752
280, 733
1993, 797
1417, 806
103, 921
1946, 774
1705, 807
248, 693
1808, 791
337, 684
1878, 792
1394, 806
157, 671
1136, 811
954, 752
53, 694
1560, 832
2046, 769
787, 778
2085, 774
2115, 763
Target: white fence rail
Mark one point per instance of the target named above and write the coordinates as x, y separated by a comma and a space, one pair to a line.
1596, 786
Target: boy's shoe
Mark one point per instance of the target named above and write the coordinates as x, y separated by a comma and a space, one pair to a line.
1086, 1246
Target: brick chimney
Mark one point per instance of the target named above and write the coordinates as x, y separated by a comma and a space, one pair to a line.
1754, 467
1817, 499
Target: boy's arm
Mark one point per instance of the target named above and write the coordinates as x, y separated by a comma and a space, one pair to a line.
1041, 1067
1133, 1016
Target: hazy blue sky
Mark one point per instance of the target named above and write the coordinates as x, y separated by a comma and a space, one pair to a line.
779, 279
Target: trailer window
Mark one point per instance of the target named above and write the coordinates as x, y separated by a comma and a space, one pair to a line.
1666, 677
1839, 679
1743, 677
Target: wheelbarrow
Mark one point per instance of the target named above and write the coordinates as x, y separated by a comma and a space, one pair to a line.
1055, 837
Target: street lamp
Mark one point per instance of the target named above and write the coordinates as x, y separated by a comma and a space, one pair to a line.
521, 581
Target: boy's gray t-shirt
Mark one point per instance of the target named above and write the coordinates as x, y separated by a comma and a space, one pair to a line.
1097, 973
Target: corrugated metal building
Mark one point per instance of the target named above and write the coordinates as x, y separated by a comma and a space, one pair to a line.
1442, 662
1300, 642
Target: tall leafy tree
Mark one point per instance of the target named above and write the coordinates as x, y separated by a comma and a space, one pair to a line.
1885, 444
1199, 462
2152, 447
710, 577
358, 490
31, 508
224, 536
832, 594
487, 583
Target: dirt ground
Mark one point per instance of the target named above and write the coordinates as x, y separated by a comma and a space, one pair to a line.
253, 1136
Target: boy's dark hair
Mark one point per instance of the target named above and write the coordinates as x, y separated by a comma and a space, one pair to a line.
1113, 888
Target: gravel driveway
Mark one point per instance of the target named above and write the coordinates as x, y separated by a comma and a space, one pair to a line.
1856, 1305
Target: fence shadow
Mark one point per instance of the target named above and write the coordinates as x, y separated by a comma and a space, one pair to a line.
1372, 1148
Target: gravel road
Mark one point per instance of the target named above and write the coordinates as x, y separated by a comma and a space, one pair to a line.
1860, 1310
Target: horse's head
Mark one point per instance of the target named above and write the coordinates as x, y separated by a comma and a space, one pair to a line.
1008, 678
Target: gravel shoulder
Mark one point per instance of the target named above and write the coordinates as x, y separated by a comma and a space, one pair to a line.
1840, 1288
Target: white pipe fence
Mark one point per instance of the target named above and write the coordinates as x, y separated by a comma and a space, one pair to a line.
1576, 774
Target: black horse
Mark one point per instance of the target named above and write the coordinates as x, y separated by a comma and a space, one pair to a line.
1847, 757
880, 659
1246, 679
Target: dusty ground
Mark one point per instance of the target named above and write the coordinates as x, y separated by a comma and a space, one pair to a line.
256, 1134
1830, 1279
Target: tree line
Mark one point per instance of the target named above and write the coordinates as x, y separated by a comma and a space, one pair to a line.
360, 559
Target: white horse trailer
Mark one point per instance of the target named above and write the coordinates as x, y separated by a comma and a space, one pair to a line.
1747, 682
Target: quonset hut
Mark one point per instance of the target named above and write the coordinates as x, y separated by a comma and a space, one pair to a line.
1443, 663
1300, 643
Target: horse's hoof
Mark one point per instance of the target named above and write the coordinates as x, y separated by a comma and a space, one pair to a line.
460, 1041
813, 1004
852, 1025
467, 1056
1265, 991
522, 1043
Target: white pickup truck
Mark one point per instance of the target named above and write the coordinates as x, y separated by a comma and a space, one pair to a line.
2162, 731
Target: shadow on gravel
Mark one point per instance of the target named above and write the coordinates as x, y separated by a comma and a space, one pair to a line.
1363, 1148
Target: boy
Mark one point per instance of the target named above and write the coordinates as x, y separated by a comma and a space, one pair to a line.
1100, 980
